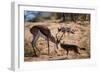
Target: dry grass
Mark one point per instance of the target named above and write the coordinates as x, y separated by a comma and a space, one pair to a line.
80, 38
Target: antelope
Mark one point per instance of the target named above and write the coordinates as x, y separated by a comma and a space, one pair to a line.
67, 47
43, 31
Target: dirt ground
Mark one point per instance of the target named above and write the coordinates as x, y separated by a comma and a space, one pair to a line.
81, 38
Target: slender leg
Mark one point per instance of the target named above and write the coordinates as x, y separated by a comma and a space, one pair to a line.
48, 46
37, 48
33, 47
34, 44
35, 40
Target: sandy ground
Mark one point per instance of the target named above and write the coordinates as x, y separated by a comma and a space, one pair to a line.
81, 38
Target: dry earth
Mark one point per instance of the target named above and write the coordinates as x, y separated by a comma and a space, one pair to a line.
80, 38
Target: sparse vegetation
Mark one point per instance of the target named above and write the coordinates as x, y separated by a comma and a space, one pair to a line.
81, 38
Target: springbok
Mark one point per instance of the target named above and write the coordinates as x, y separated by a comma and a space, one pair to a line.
43, 31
